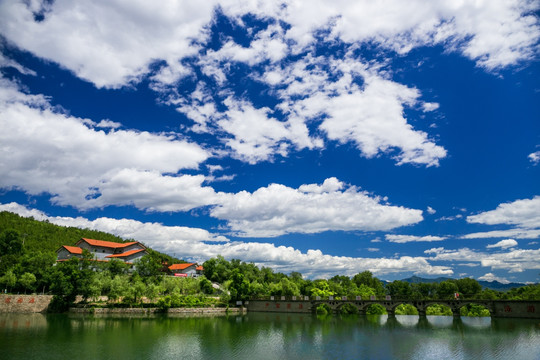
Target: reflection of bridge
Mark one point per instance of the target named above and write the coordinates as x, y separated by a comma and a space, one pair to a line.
497, 308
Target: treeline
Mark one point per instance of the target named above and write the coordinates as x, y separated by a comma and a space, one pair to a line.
28, 251
28, 265
114, 284
245, 281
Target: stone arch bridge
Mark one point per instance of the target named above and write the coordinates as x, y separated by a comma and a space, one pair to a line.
497, 308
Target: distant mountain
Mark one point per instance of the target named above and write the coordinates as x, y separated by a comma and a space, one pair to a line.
492, 285
495, 285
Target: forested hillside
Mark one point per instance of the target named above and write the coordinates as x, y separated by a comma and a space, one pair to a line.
44, 236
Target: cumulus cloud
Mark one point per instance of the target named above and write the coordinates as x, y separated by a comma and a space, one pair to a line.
46, 151
522, 213
49, 152
430, 210
109, 43
401, 239
494, 33
513, 260
370, 116
504, 244
199, 245
277, 209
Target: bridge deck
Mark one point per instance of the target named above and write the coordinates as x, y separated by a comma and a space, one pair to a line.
497, 308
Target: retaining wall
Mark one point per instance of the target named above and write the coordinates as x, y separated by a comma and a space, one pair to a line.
24, 303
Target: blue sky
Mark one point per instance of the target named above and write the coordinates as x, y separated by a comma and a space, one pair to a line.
313, 136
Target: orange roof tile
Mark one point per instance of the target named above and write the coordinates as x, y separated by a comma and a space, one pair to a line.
108, 244
73, 249
127, 253
180, 266
199, 268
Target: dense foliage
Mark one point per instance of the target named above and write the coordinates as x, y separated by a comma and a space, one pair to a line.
28, 264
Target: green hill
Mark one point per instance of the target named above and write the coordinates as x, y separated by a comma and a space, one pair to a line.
44, 236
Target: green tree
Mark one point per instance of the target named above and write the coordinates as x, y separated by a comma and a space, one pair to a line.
399, 289
149, 265
376, 309
135, 292
9, 280
239, 286
118, 267
289, 288
438, 309
27, 281
321, 288
366, 278
206, 286
446, 289
406, 309
10, 242
119, 287
468, 288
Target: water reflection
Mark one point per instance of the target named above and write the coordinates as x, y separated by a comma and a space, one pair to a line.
266, 336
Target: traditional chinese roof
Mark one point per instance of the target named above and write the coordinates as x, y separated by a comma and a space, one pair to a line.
180, 266
72, 249
107, 244
126, 254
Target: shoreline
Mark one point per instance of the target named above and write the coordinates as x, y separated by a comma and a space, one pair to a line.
157, 311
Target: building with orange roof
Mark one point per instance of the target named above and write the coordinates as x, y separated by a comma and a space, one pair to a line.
184, 270
101, 250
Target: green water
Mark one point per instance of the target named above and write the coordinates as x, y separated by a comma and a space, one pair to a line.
265, 336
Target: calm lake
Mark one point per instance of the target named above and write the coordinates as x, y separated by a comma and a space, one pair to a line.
265, 336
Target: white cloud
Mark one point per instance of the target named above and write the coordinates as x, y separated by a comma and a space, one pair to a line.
513, 260
494, 33
278, 209
107, 42
6, 62
492, 277
256, 136
504, 244
200, 245
370, 116
46, 151
534, 157
401, 239
108, 124
113, 42
515, 233
430, 210
267, 44
523, 213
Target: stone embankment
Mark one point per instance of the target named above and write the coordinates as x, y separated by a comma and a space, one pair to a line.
149, 311
40, 303
24, 303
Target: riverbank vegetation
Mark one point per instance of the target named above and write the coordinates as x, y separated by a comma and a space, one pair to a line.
28, 265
